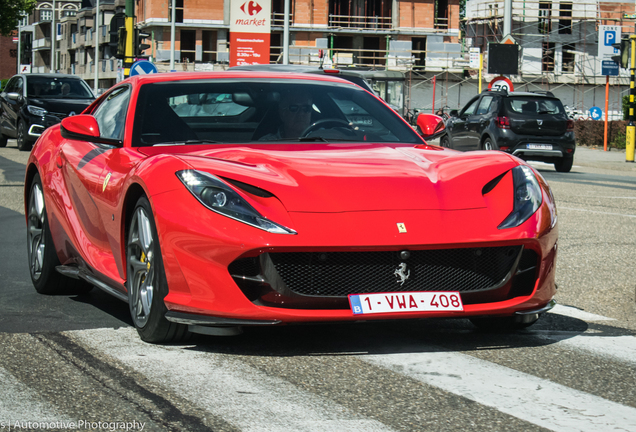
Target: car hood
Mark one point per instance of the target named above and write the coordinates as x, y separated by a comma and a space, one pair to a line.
341, 178
61, 106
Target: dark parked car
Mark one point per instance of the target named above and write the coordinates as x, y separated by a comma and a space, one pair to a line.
533, 126
30, 103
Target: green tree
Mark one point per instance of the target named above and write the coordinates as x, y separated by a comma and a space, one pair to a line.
10, 13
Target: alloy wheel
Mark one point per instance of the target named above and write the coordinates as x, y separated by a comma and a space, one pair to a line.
141, 268
36, 232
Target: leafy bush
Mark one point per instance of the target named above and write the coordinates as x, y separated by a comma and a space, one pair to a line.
590, 133
3, 82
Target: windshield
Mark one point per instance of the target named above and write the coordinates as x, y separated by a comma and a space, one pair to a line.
534, 105
263, 111
58, 88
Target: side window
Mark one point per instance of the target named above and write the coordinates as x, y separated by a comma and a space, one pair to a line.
470, 108
484, 105
111, 113
19, 85
9, 85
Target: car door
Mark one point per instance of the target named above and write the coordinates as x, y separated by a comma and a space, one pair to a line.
10, 111
459, 126
477, 123
83, 164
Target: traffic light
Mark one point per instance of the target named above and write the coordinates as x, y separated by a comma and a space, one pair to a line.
139, 46
121, 43
118, 21
623, 59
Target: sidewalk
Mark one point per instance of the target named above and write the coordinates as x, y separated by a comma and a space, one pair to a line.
595, 157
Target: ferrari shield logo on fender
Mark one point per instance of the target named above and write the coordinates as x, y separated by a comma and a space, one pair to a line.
402, 273
401, 227
106, 181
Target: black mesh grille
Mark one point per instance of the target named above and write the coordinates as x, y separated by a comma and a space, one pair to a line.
343, 273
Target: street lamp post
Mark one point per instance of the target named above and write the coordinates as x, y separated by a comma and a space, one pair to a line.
53, 39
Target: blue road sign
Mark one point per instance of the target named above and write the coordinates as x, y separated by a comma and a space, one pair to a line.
596, 113
142, 67
609, 67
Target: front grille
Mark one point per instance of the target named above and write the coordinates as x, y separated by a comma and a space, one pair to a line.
337, 274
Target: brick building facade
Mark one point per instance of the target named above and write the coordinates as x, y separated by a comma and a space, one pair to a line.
8, 57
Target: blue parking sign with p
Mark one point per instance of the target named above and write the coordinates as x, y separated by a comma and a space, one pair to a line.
610, 37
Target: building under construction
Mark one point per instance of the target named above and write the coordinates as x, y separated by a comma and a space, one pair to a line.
558, 44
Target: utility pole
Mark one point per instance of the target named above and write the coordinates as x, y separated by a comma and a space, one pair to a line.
130, 37
631, 127
96, 84
172, 32
286, 34
53, 39
507, 30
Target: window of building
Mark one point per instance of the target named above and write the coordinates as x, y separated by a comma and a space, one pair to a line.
209, 46
441, 14
547, 57
188, 45
567, 54
565, 18
545, 17
46, 14
178, 12
369, 14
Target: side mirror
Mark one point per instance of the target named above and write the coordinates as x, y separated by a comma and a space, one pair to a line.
13, 95
453, 113
431, 126
84, 127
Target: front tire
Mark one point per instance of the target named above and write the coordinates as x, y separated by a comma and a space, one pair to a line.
3, 140
445, 141
23, 143
146, 282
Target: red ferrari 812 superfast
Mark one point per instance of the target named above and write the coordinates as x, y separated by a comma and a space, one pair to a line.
214, 201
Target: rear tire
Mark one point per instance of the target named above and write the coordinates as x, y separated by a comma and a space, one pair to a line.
445, 141
487, 144
146, 283
564, 164
41, 250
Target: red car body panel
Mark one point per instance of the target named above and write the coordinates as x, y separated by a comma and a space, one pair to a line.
337, 197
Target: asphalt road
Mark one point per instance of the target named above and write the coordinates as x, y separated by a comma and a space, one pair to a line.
70, 362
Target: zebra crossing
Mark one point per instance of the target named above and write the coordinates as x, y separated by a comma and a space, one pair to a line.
407, 384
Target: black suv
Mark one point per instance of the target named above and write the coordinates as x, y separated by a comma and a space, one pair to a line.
533, 126
30, 103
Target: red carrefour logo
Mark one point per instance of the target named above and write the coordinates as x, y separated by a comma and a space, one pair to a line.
253, 8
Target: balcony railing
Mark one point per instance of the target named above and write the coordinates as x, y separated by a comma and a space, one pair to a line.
43, 43
278, 19
360, 22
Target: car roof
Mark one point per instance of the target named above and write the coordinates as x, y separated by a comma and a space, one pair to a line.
192, 76
358, 71
49, 75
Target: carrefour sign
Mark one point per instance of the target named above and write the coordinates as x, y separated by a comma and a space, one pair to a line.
250, 26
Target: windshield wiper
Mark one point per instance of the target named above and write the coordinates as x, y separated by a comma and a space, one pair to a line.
186, 142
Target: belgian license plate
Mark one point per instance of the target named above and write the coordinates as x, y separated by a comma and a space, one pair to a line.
405, 302
540, 146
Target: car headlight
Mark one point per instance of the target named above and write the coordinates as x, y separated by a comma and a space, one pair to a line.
527, 197
216, 195
37, 111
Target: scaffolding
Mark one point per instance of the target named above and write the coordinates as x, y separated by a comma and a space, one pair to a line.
557, 40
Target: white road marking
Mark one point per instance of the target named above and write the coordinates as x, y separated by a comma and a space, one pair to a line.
593, 211
223, 386
535, 400
21, 404
573, 312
